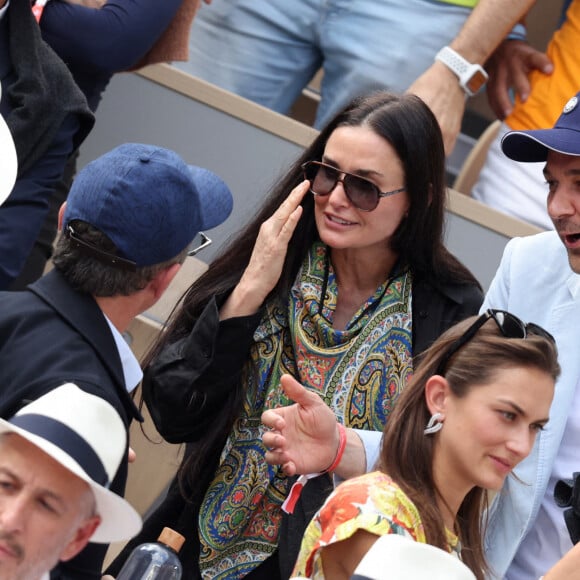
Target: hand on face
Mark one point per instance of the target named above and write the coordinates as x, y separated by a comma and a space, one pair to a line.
267, 259
304, 436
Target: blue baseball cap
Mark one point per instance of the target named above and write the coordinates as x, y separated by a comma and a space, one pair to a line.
148, 201
534, 145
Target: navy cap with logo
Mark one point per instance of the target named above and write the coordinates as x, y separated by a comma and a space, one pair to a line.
534, 145
147, 201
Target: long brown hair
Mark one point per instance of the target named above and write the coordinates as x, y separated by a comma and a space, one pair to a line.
407, 454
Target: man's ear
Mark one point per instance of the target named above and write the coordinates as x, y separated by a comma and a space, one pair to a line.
81, 538
437, 393
61, 215
161, 281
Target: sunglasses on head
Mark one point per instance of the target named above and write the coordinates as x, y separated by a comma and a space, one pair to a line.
361, 192
509, 325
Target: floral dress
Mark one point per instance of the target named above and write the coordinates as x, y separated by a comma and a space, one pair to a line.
371, 502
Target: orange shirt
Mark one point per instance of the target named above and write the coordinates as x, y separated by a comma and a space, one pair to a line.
551, 92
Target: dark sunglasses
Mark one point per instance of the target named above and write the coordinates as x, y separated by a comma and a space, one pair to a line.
200, 242
509, 325
361, 192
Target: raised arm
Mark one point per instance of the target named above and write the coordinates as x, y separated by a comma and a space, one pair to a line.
267, 260
192, 381
486, 27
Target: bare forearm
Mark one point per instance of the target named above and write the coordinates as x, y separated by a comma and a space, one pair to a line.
487, 26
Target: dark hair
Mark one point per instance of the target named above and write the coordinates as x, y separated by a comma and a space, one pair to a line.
85, 273
412, 130
407, 454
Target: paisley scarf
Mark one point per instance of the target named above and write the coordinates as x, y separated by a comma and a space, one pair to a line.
358, 371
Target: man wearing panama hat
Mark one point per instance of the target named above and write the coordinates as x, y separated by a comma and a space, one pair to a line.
57, 457
130, 218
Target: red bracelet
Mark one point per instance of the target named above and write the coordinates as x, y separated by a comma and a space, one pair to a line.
341, 448
296, 489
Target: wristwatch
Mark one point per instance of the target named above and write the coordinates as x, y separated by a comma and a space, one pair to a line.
471, 76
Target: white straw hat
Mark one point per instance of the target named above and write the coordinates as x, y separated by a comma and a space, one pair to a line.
397, 557
8, 160
86, 435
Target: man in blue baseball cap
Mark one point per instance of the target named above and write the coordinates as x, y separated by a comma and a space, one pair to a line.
538, 279
127, 227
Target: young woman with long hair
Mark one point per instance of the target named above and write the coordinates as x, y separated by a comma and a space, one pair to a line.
479, 397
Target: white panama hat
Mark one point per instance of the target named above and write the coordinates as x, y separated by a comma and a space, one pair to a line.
398, 557
8, 160
86, 435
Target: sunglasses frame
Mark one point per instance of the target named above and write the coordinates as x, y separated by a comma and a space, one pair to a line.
341, 175
97, 253
204, 243
492, 313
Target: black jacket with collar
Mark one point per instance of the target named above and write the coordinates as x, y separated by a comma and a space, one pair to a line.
51, 335
186, 387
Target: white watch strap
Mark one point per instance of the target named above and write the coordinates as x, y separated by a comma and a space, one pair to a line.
452, 60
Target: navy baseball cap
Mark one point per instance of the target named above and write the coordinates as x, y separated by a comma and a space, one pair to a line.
148, 201
534, 145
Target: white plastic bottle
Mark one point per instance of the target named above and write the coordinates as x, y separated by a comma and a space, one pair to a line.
155, 560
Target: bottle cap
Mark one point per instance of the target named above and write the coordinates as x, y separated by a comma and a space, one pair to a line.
171, 538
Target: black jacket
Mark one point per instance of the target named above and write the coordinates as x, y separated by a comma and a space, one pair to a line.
187, 384
51, 335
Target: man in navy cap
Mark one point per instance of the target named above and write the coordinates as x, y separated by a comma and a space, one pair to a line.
130, 218
538, 280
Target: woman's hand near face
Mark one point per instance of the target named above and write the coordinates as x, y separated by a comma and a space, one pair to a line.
267, 259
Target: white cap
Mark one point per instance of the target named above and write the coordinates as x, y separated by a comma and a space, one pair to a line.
86, 435
396, 557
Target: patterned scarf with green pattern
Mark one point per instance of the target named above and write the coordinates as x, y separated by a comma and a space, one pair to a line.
358, 371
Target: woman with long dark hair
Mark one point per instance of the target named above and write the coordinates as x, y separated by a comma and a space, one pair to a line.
479, 397
340, 280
